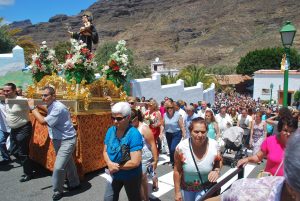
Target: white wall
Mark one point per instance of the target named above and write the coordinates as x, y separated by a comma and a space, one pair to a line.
264, 80
152, 88
12, 61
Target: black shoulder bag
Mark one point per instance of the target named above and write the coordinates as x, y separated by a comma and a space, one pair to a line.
125, 150
207, 185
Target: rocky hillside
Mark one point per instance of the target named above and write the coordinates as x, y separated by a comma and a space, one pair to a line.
181, 32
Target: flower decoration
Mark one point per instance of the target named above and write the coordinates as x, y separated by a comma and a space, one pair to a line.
117, 67
44, 62
80, 65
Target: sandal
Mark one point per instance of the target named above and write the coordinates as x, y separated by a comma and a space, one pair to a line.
155, 188
155, 185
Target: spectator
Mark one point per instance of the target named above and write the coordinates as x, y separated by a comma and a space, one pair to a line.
213, 131
174, 129
19, 91
258, 132
149, 153
177, 107
223, 119
201, 112
273, 147
63, 135
197, 163
282, 113
153, 118
122, 153
189, 117
245, 122
279, 188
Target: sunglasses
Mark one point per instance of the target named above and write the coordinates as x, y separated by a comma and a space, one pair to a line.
45, 95
131, 103
118, 118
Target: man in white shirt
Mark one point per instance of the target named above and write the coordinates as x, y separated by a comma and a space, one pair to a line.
201, 112
17, 117
223, 119
245, 122
177, 107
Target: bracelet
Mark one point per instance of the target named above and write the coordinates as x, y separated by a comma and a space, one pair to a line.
217, 170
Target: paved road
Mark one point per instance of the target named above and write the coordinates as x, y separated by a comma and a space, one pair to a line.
40, 189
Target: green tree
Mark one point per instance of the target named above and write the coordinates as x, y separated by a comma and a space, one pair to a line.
136, 72
269, 58
193, 74
7, 42
297, 95
221, 70
104, 51
9, 39
61, 48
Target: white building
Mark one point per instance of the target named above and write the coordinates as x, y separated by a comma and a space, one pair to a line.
263, 79
12, 61
152, 88
159, 66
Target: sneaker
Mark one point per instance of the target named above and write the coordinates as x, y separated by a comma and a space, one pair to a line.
72, 188
57, 196
25, 178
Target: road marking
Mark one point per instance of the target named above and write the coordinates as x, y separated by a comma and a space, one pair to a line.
165, 157
166, 183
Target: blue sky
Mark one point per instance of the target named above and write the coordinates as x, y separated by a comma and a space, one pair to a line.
40, 10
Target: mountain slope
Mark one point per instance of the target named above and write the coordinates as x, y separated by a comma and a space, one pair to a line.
204, 32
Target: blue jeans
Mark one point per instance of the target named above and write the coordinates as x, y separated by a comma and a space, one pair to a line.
173, 140
3, 150
64, 164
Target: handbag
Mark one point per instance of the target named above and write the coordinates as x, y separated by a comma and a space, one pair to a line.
207, 185
267, 174
125, 150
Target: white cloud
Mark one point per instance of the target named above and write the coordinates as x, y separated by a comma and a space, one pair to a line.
7, 2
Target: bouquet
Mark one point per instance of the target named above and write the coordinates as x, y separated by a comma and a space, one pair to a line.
80, 65
117, 67
44, 62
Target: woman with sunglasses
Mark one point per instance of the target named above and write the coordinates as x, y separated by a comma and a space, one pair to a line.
122, 140
174, 129
273, 148
197, 163
149, 153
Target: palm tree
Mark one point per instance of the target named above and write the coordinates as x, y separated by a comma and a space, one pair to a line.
168, 79
193, 74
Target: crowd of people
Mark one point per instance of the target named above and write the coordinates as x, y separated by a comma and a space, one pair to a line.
193, 132
141, 130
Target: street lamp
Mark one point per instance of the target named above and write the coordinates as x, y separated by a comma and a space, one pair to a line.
287, 33
271, 87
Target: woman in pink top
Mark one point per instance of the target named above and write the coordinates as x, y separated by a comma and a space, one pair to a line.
273, 147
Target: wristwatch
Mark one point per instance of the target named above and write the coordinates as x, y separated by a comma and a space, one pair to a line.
32, 107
